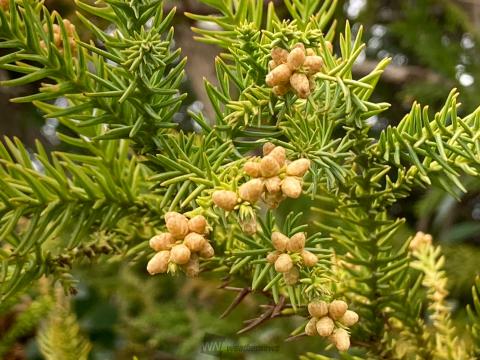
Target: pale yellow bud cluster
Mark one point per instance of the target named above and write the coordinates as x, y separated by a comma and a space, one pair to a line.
57, 36
182, 245
274, 179
330, 320
4, 5
283, 256
420, 240
293, 70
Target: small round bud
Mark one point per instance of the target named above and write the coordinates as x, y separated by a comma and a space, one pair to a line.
311, 327
296, 242
269, 166
170, 215
272, 65
207, 251
273, 184
284, 263
309, 258
325, 326
279, 241
310, 52
298, 167
192, 268
180, 254
280, 75
350, 318
177, 225
161, 242
159, 263
313, 64
251, 190
318, 308
279, 55
267, 148
273, 256
281, 89
299, 82
278, 154
341, 339
194, 242
337, 309
198, 224
291, 277
227, 200
296, 58
252, 168
292, 187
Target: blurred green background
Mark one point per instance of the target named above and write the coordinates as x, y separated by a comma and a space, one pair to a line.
434, 46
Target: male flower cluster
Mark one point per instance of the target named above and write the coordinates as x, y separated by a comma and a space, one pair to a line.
330, 320
274, 179
182, 245
289, 251
57, 36
419, 241
293, 70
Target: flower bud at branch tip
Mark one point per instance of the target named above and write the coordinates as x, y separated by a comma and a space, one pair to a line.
225, 199
311, 327
279, 241
341, 339
325, 326
252, 168
198, 224
162, 242
159, 263
284, 263
296, 243
251, 190
269, 166
194, 242
180, 254
337, 309
177, 225
318, 308
292, 187
309, 258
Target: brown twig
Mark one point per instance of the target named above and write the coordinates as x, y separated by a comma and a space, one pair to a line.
238, 299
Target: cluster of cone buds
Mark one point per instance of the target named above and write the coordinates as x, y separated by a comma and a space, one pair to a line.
293, 70
57, 36
330, 320
183, 244
420, 240
286, 251
274, 179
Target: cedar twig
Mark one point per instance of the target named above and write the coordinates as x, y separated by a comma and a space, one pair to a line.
238, 299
